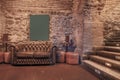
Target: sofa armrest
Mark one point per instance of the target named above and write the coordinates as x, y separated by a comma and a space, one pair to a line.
53, 54
12, 49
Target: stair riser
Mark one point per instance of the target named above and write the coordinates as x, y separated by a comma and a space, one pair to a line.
97, 48
106, 55
105, 63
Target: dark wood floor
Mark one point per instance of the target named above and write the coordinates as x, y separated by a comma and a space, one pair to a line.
53, 72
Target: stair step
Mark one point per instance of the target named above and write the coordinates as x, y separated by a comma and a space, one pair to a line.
113, 49
114, 38
98, 48
112, 55
106, 48
112, 44
106, 61
102, 70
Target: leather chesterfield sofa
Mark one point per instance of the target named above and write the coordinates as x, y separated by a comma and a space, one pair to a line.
33, 53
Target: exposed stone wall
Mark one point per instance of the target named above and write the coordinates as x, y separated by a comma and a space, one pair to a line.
62, 19
2, 22
84, 27
17, 14
111, 18
93, 27
101, 20
78, 22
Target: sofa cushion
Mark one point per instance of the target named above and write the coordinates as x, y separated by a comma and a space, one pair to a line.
41, 55
24, 54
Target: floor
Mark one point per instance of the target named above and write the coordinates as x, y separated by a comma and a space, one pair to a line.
50, 72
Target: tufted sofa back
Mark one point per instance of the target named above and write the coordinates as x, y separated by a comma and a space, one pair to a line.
43, 46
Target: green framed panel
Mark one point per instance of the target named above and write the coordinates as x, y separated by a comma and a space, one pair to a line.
39, 27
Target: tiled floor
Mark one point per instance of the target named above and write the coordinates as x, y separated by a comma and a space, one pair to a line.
51, 72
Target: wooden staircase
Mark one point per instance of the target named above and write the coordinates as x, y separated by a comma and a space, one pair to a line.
104, 62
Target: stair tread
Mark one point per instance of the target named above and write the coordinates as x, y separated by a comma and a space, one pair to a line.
111, 47
109, 52
108, 42
116, 40
103, 69
106, 59
112, 43
114, 47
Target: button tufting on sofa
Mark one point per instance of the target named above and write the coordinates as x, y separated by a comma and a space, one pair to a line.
33, 53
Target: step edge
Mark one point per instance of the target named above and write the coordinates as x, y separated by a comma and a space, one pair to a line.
108, 52
106, 59
109, 70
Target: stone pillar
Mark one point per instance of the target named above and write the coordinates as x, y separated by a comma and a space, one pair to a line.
97, 33
93, 27
87, 37
78, 25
